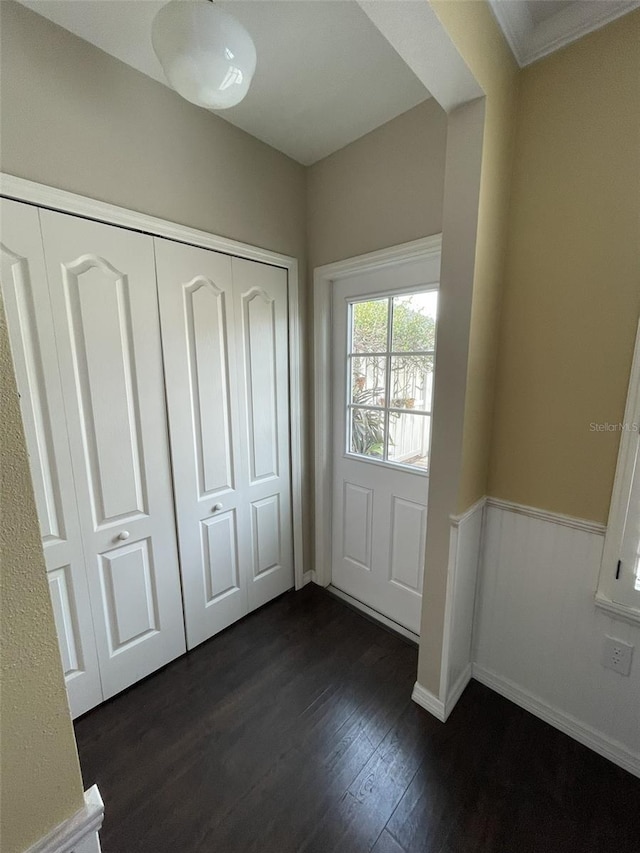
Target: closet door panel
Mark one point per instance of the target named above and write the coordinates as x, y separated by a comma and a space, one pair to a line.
103, 296
261, 303
99, 327
26, 298
198, 338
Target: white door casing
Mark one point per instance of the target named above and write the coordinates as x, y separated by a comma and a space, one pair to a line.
26, 298
105, 317
224, 333
378, 508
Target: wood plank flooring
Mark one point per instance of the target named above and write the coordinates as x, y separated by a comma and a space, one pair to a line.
294, 730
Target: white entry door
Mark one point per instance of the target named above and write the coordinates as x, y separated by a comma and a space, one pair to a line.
102, 286
383, 361
224, 333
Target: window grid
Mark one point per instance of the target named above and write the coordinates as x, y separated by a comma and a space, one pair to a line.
386, 409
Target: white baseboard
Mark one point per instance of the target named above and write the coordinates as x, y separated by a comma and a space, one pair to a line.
77, 834
441, 710
426, 699
457, 690
603, 745
308, 577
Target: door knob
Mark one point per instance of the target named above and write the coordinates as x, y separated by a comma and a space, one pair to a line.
218, 507
123, 535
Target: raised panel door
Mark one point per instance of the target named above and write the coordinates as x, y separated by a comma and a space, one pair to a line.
26, 298
261, 318
383, 329
198, 338
103, 297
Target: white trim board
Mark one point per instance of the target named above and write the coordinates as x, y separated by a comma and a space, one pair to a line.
618, 611
605, 746
41, 195
425, 698
441, 710
529, 41
324, 278
547, 515
621, 500
465, 554
77, 834
457, 520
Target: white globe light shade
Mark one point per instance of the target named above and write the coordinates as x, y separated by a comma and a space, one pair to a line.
206, 54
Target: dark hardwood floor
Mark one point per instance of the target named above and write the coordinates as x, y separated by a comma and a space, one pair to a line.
294, 730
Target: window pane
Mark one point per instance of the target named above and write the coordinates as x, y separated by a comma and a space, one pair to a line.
367, 433
411, 382
369, 325
409, 439
414, 321
368, 380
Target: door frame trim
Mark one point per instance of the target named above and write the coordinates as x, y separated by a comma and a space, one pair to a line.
324, 278
41, 195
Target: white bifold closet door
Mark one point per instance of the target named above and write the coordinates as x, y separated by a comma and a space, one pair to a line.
26, 299
105, 318
224, 336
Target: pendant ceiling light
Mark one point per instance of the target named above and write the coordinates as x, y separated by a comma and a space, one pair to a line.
206, 54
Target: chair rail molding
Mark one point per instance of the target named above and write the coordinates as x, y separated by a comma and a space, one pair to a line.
324, 278
22, 190
547, 515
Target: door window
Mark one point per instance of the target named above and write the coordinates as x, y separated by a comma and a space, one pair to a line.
390, 378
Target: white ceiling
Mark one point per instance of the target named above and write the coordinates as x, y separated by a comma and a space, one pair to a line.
535, 28
325, 75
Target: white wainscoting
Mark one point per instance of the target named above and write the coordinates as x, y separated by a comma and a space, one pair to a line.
464, 560
464, 556
538, 636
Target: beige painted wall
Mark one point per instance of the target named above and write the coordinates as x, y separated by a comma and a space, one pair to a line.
40, 784
381, 190
75, 118
477, 37
113, 134
572, 295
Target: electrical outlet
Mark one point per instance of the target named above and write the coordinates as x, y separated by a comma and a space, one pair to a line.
617, 655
